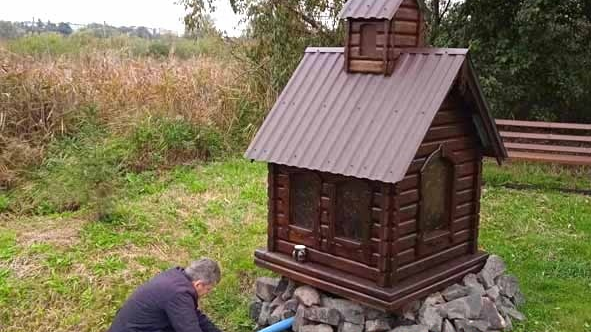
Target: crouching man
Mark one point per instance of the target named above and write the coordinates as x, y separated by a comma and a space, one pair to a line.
169, 301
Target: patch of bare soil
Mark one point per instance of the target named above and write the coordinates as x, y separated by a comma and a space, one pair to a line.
58, 232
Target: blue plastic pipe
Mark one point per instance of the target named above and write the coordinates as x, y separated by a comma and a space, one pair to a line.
281, 326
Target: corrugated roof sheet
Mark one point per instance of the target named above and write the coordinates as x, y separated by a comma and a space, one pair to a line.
362, 125
380, 9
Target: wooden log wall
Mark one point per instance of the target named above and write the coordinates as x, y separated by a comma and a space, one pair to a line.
405, 30
324, 247
452, 126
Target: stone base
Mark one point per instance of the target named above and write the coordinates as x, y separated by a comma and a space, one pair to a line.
482, 302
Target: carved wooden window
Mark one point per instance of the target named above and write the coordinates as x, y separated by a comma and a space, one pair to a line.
353, 210
305, 198
368, 40
436, 193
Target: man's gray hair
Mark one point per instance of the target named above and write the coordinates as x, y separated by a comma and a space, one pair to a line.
204, 269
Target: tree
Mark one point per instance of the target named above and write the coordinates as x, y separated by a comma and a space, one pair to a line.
206, 28
533, 56
142, 32
64, 28
9, 30
280, 31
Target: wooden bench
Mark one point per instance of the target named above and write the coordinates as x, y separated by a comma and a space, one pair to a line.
563, 143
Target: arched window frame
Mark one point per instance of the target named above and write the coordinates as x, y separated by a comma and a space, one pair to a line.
426, 236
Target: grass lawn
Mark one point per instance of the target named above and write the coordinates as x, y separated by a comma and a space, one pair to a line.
62, 272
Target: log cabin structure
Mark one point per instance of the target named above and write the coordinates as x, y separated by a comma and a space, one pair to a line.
374, 154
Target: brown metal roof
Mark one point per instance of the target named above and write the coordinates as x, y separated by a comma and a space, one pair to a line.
362, 125
373, 9
381, 9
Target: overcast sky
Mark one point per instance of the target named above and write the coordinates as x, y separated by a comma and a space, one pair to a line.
165, 14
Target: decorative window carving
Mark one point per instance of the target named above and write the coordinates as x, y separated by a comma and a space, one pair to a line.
368, 40
436, 190
353, 210
305, 199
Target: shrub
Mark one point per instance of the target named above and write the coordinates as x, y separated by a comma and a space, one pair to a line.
159, 141
78, 169
43, 44
158, 49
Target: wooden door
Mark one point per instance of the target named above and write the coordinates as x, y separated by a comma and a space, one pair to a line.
304, 208
350, 220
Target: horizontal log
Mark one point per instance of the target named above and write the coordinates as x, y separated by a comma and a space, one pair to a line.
464, 196
402, 27
463, 210
409, 182
400, 40
464, 183
407, 227
366, 66
464, 156
405, 242
441, 132
407, 14
406, 27
466, 168
436, 259
541, 124
408, 197
463, 236
464, 222
406, 256
461, 143
547, 148
546, 137
450, 116
408, 212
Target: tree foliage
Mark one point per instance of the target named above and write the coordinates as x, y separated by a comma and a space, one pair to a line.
533, 56
278, 32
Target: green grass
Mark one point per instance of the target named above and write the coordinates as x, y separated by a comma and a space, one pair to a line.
91, 166
545, 238
536, 175
63, 271
180, 214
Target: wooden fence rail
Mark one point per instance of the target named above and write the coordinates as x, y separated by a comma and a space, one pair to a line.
563, 143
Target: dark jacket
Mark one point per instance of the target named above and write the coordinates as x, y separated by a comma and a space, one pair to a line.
167, 302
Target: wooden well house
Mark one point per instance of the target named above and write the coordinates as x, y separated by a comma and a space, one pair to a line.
375, 162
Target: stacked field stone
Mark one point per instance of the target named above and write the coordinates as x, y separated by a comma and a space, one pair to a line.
481, 303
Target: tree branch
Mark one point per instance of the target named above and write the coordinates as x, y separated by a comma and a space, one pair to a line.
311, 21
445, 10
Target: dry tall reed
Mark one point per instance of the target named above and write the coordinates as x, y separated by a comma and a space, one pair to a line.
42, 98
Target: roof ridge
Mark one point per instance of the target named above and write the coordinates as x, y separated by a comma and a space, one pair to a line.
410, 50
435, 50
